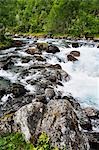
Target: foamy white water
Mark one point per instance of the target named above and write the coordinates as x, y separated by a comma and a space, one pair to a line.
84, 83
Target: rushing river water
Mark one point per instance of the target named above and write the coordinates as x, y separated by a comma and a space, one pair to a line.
84, 74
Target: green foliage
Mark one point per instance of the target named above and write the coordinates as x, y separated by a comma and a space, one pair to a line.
15, 141
75, 17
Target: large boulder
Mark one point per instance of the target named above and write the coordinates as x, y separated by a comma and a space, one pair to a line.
28, 119
58, 119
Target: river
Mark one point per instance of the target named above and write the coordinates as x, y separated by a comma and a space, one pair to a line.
84, 73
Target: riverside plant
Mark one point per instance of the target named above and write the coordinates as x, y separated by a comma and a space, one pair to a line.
16, 141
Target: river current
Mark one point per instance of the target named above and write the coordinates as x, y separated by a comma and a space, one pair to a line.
84, 74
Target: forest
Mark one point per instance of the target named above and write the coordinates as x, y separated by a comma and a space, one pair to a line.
73, 17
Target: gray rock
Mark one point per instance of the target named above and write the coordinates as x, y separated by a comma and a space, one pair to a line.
28, 119
61, 124
58, 119
49, 93
52, 49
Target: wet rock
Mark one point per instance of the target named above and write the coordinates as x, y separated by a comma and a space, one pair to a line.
49, 93
18, 90
41, 98
4, 83
98, 46
26, 59
75, 45
38, 89
13, 104
57, 66
17, 43
95, 125
59, 83
53, 49
71, 58
2, 92
93, 138
8, 64
75, 53
52, 78
91, 112
86, 125
40, 58
64, 76
31, 50
96, 40
88, 37
42, 46
38, 66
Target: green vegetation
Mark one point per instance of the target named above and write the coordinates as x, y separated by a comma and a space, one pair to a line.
70, 17
5, 42
15, 141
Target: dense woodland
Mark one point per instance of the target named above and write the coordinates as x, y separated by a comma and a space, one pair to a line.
75, 17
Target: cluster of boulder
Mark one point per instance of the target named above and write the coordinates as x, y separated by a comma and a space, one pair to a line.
43, 47
45, 109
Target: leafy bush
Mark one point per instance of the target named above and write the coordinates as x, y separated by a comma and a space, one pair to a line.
16, 141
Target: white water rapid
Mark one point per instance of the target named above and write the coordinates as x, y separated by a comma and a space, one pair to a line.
84, 82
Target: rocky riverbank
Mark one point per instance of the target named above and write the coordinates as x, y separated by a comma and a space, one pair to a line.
33, 96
